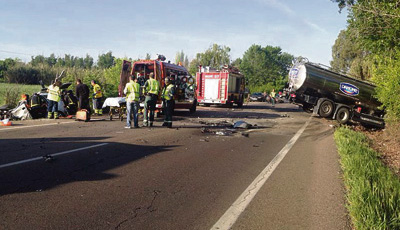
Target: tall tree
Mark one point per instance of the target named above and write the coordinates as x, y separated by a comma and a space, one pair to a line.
88, 62
263, 65
215, 56
180, 57
348, 56
106, 60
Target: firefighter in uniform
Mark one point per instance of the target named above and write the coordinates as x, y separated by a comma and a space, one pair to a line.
53, 98
132, 92
152, 88
168, 101
97, 98
71, 102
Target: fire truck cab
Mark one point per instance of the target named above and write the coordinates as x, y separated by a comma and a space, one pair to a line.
185, 96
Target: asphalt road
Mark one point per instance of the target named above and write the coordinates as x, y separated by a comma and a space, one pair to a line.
102, 176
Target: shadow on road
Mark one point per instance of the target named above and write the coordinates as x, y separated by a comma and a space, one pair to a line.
86, 165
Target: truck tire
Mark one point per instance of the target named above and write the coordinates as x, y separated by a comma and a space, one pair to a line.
193, 108
343, 115
326, 109
308, 108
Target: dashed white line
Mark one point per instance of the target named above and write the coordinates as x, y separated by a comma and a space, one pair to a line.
235, 210
55, 154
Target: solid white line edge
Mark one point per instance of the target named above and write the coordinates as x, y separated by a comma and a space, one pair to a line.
235, 210
29, 126
55, 154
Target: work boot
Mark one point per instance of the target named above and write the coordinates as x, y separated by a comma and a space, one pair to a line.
151, 124
169, 125
49, 115
100, 112
55, 115
165, 124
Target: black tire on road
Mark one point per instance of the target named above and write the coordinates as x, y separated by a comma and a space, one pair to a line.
326, 109
193, 108
343, 115
308, 108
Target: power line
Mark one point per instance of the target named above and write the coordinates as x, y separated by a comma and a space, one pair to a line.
5, 51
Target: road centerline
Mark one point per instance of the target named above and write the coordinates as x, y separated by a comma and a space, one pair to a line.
231, 215
54, 154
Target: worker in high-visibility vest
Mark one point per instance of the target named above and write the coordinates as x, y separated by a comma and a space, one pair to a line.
53, 97
152, 88
167, 96
132, 92
97, 98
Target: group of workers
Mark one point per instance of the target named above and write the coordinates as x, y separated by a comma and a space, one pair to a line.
132, 91
82, 93
151, 90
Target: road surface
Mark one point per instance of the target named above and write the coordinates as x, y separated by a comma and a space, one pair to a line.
281, 174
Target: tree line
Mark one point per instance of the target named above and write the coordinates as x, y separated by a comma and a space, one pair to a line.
368, 49
264, 67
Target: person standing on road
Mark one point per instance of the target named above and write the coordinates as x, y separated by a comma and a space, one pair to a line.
272, 95
97, 98
168, 101
152, 88
132, 92
53, 97
82, 92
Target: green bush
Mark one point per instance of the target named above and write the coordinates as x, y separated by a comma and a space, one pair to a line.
386, 75
373, 191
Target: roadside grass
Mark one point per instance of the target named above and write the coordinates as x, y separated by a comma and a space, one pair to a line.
11, 93
373, 191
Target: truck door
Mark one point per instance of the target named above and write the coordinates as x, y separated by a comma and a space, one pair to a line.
211, 87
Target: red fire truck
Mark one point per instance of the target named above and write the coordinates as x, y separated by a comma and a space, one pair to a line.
224, 87
185, 96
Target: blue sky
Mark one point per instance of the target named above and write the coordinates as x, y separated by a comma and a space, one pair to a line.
134, 28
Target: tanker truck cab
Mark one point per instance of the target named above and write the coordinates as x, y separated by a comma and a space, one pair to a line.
333, 95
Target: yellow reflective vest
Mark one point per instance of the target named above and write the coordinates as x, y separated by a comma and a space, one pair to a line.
54, 93
97, 91
132, 91
167, 93
152, 86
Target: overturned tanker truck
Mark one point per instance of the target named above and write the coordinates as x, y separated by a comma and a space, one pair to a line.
332, 95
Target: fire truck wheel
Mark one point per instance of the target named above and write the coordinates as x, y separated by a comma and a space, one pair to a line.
191, 81
183, 86
343, 115
193, 108
326, 109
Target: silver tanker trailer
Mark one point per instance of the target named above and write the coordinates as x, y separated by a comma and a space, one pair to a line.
333, 95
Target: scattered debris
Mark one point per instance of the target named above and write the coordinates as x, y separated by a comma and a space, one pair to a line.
48, 158
223, 133
285, 115
245, 134
242, 125
6, 122
256, 146
204, 140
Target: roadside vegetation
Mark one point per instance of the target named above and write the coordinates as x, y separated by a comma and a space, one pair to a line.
11, 93
373, 191
368, 49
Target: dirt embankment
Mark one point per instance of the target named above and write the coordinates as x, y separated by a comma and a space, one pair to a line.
386, 142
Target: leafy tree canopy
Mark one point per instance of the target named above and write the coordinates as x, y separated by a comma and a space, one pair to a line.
263, 65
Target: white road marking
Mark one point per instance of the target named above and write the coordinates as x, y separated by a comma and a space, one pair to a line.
232, 214
23, 127
53, 155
